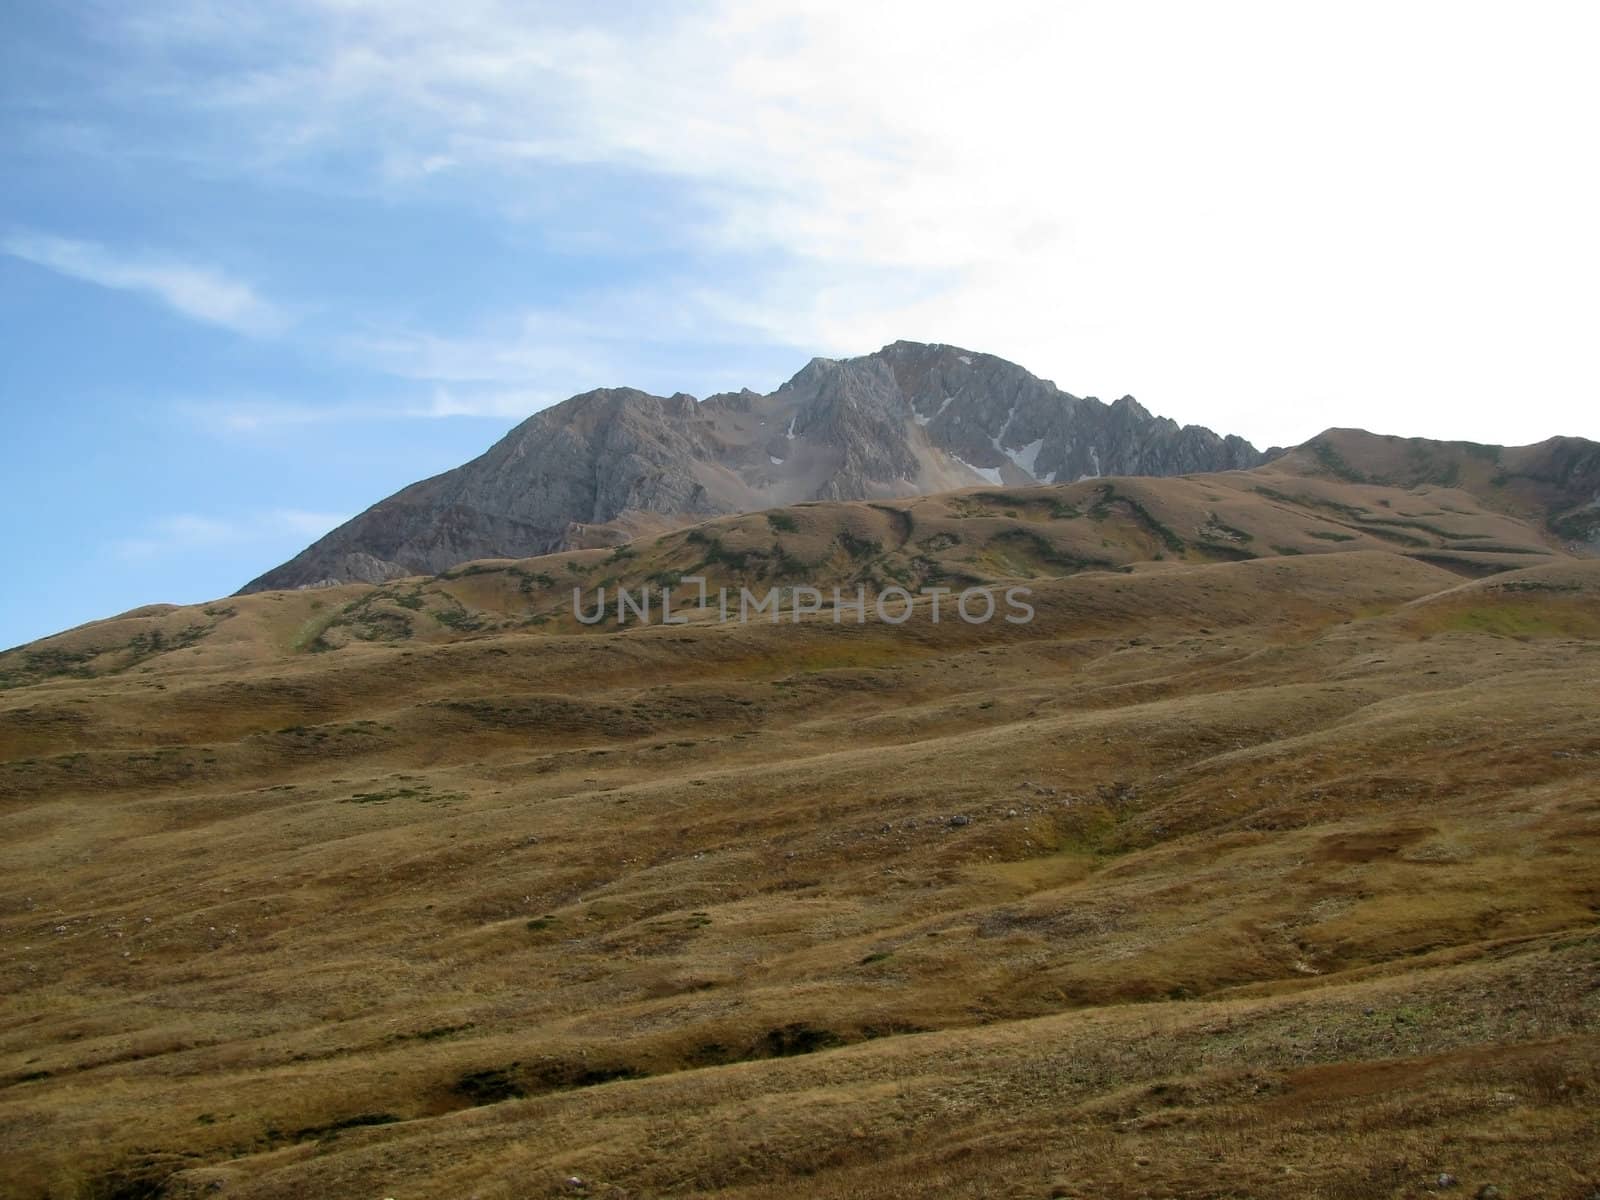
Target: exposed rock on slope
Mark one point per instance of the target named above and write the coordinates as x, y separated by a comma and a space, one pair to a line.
611, 464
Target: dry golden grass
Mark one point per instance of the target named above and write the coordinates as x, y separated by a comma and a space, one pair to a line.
1277, 875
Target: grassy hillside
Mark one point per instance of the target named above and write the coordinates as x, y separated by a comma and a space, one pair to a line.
979, 537
1554, 484
1263, 862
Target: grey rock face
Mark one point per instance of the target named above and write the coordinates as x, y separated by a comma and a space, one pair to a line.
910, 418
989, 412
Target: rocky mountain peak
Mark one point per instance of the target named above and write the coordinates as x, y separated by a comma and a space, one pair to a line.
608, 464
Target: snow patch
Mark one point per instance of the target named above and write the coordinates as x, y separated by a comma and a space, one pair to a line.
964, 359
987, 474
1005, 427
922, 420
776, 461
1027, 456
789, 432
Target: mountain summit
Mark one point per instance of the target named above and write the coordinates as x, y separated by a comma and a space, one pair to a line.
610, 464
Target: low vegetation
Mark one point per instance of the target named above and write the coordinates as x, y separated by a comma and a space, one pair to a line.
1224, 877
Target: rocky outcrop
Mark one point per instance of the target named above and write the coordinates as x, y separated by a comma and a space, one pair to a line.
907, 419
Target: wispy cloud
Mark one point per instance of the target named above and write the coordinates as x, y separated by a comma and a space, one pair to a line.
192, 533
450, 402
514, 363
198, 292
259, 417
249, 417
499, 353
1193, 202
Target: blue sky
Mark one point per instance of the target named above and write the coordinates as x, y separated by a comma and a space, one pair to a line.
261, 265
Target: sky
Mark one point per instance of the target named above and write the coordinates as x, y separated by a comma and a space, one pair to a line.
262, 265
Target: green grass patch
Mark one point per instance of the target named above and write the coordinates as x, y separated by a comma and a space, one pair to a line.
459, 619
1333, 462
1520, 620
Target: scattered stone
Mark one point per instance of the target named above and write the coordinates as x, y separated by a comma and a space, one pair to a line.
960, 820
1489, 1192
1446, 1180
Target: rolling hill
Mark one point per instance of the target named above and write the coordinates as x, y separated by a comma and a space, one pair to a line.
1270, 841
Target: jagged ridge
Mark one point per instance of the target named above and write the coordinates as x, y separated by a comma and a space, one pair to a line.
607, 465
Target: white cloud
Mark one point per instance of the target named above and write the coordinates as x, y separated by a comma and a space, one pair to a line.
509, 404
248, 417
506, 351
262, 417
1266, 217
197, 292
185, 534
